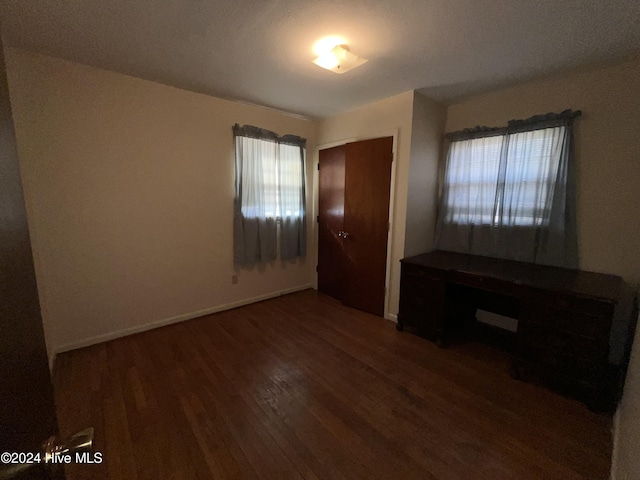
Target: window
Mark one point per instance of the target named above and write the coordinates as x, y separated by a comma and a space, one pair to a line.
290, 182
505, 179
279, 174
472, 174
270, 187
509, 192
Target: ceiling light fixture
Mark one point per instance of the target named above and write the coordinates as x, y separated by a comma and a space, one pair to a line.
339, 59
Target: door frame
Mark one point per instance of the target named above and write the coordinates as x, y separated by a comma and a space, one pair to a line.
392, 200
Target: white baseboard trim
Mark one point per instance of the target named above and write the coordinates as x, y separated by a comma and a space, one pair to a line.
168, 321
392, 316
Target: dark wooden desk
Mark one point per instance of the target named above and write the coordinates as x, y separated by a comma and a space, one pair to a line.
564, 316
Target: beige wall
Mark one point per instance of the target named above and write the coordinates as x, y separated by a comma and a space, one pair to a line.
427, 131
379, 119
129, 191
608, 196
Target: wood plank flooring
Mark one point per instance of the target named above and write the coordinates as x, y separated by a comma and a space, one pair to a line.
300, 387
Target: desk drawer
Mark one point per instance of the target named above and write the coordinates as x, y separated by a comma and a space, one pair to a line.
485, 283
556, 319
421, 299
421, 294
532, 335
564, 301
562, 364
412, 271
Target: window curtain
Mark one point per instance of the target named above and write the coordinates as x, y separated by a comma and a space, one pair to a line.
510, 192
269, 187
292, 197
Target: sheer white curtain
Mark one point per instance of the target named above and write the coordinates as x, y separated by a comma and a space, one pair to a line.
256, 192
269, 187
471, 180
291, 177
510, 192
530, 177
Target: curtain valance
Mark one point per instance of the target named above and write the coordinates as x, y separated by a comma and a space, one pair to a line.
263, 134
536, 122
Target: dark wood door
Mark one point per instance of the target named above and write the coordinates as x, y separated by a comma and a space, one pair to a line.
27, 413
331, 221
354, 189
366, 217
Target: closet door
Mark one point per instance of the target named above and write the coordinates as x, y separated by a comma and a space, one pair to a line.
354, 188
331, 221
366, 217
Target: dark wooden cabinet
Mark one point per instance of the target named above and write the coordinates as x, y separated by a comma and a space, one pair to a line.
565, 339
564, 316
422, 301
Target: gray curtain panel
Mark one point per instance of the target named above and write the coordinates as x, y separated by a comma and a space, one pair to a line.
292, 198
269, 187
510, 192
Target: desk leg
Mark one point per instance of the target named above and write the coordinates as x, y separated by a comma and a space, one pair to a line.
399, 325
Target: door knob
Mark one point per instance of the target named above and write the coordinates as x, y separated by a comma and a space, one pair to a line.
54, 447
345, 234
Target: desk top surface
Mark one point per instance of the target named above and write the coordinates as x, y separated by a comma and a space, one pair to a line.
594, 285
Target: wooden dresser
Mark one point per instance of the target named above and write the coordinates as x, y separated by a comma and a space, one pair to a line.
564, 316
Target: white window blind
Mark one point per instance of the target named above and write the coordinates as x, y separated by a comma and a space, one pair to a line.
503, 179
277, 168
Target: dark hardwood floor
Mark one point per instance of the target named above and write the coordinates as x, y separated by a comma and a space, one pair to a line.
302, 387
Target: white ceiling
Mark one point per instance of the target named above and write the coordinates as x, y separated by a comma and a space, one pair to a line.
260, 51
